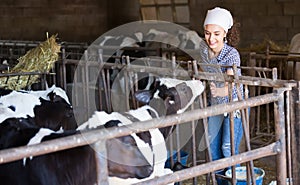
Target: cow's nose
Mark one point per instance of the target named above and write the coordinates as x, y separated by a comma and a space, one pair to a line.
145, 171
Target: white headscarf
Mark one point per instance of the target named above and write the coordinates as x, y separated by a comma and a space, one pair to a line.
219, 16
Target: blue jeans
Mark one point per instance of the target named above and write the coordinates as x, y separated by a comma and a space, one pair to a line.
219, 136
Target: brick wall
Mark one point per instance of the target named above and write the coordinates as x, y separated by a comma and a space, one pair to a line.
86, 20
76, 20
277, 20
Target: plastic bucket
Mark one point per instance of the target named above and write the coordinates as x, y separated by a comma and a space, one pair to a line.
241, 175
183, 158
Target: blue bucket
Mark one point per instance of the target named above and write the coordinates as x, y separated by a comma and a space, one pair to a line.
183, 158
241, 175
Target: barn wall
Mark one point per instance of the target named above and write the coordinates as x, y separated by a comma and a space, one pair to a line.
73, 20
86, 20
277, 20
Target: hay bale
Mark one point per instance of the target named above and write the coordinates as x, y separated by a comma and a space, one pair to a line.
40, 59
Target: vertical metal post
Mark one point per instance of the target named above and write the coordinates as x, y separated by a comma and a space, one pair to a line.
128, 81
231, 119
205, 124
252, 90
173, 66
101, 158
105, 83
85, 83
245, 123
295, 130
203, 104
288, 133
63, 75
194, 154
101, 81
280, 136
194, 162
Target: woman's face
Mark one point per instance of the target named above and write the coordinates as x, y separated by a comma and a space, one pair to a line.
214, 36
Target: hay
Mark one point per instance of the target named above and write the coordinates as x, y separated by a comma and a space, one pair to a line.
40, 59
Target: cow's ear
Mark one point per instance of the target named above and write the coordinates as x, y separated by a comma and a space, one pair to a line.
143, 96
52, 96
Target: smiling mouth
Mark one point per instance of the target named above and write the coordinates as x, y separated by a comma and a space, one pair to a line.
212, 44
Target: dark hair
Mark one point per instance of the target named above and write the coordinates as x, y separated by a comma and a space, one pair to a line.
233, 35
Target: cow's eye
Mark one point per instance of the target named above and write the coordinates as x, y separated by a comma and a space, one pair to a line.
128, 141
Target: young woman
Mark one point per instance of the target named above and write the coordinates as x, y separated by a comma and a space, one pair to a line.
221, 35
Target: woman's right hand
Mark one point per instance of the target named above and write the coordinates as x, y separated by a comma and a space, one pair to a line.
215, 91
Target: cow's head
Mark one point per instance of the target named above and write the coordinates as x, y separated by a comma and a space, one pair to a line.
170, 96
125, 159
55, 114
55, 110
50, 108
177, 95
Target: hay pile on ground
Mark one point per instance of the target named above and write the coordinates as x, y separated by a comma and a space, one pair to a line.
40, 60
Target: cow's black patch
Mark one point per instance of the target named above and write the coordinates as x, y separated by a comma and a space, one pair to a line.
4, 92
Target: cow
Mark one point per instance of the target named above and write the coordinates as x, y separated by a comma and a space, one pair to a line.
119, 42
165, 97
50, 108
131, 158
74, 166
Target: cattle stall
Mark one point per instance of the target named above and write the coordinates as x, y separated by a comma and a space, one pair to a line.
277, 148
276, 89
276, 65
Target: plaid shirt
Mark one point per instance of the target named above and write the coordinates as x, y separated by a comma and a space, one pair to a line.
227, 57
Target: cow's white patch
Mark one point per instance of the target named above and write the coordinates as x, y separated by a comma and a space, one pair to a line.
197, 88
142, 113
44, 93
22, 102
159, 150
160, 156
60, 92
100, 118
5, 113
38, 138
120, 181
144, 148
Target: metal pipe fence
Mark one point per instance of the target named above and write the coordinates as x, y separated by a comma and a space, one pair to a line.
99, 136
268, 95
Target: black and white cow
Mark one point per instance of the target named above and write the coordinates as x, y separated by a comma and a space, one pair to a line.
50, 108
113, 46
172, 97
76, 166
131, 158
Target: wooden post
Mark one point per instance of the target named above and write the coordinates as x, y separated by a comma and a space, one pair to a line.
295, 133
252, 91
